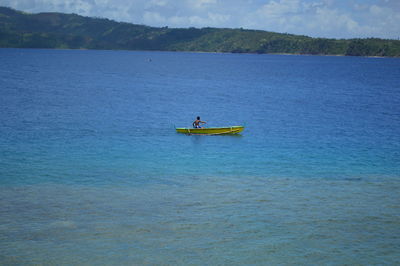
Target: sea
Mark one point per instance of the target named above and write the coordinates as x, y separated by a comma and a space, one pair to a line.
92, 171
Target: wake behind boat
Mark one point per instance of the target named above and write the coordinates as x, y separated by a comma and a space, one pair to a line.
211, 130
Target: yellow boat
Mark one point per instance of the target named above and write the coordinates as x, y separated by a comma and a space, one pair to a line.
211, 130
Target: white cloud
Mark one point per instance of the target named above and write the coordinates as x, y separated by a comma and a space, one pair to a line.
211, 20
218, 19
201, 4
153, 18
333, 21
326, 18
277, 9
158, 3
378, 11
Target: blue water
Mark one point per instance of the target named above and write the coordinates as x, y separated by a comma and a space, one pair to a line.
92, 171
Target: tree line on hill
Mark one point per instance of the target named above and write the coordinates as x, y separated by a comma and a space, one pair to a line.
71, 31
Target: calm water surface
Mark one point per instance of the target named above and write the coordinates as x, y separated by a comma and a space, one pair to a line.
92, 171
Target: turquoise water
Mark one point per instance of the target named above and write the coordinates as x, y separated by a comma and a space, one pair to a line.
92, 171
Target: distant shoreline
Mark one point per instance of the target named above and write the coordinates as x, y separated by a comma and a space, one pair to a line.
196, 52
70, 31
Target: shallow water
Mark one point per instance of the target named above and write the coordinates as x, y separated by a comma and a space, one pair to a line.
210, 220
92, 171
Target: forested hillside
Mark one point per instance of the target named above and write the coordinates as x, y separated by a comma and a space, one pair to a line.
71, 31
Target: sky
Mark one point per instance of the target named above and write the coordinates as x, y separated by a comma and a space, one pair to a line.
316, 18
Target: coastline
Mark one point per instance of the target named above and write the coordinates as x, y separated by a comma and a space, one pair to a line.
198, 52
59, 30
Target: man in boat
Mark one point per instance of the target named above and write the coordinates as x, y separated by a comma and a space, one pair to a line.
197, 123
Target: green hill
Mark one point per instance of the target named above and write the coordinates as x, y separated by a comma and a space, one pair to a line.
71, 31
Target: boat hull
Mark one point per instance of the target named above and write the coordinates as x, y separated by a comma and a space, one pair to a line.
211, 130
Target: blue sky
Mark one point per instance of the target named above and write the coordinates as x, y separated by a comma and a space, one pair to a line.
316, 18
